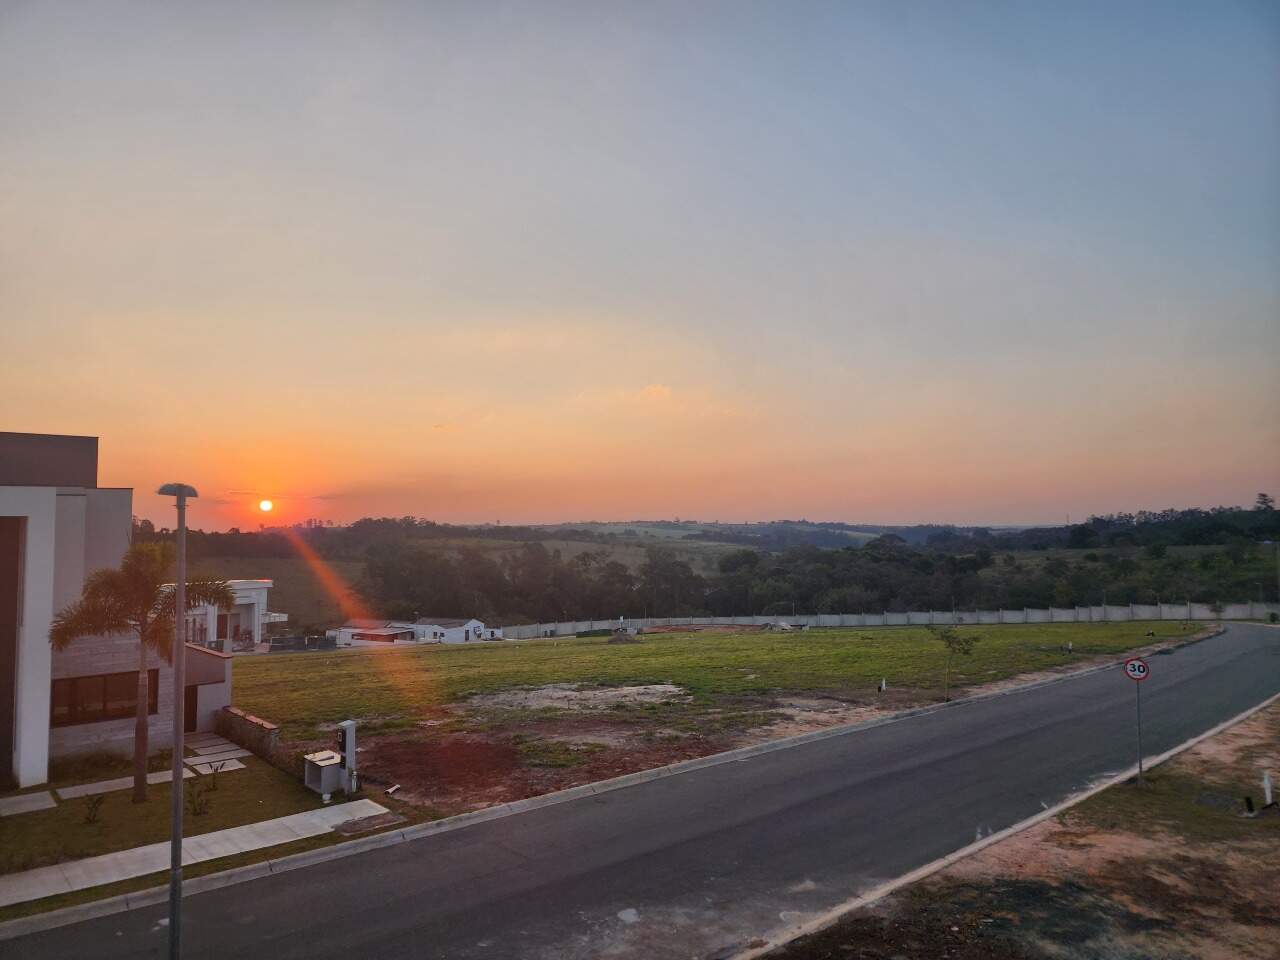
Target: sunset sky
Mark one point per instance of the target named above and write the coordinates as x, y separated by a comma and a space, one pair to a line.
970, 262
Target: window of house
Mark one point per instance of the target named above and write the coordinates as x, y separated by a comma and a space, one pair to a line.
107, 696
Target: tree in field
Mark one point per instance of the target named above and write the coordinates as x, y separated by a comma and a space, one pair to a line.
1265, 502
956, 643
136, 599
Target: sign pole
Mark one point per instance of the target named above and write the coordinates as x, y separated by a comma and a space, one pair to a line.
1137, 690
1136, 669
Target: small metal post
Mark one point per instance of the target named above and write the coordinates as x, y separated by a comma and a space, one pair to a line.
1137, 691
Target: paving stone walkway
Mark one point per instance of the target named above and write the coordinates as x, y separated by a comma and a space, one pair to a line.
222, 765
233, 754
26, 803
119, 783
210, 749
153, 858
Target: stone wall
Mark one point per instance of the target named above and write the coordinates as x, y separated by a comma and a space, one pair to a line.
258, 735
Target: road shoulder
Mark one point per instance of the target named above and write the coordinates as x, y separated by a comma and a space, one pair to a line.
1169, 868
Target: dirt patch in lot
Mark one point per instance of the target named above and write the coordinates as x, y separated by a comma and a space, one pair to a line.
453, 773
573, 696
1134, 873
446, 771
797, 715
496, 748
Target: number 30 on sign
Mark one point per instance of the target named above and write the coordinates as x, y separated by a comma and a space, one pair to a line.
1136, 669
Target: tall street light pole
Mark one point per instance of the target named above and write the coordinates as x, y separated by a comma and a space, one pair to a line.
181, 492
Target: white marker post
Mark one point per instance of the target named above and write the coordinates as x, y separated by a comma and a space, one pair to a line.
1136, 669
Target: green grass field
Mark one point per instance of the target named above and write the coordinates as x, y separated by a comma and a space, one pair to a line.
300, 691
258, 792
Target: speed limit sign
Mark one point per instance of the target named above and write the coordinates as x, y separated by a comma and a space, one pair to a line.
1136, 669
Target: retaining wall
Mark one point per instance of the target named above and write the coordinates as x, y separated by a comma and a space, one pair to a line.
262, 737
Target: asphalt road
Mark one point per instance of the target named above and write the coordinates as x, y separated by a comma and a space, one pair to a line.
700, 864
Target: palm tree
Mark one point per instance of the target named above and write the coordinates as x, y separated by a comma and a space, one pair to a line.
136, 599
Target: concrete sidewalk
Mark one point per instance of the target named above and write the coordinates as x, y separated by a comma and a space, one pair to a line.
154, 857
111, 786
26, 803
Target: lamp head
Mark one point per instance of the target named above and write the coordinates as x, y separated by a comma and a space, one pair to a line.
178, 490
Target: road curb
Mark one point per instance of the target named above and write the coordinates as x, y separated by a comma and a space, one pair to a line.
837, 913
64, 916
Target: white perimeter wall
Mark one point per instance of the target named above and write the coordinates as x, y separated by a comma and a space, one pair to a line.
1109, 614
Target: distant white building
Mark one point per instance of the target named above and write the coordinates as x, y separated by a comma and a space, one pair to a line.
225, 630
364, 633
448, 630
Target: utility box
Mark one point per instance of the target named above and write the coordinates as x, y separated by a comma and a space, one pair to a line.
323, 772
329, 771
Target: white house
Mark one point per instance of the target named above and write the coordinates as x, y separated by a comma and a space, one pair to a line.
56, 526
451, 630
368, 633
241, 626
364, 633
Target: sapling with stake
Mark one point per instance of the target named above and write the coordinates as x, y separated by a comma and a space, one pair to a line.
956, 643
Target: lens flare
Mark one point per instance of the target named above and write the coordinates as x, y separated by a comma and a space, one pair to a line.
348, 601
408, 682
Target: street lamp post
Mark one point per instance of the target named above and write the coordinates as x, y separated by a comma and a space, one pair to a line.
182, 493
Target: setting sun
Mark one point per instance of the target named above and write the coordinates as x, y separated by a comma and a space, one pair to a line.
265, 506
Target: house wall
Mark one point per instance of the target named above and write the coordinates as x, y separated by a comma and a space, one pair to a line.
210, 698
93, 534
251, 602
37, 508
113, 654
469, 632
108, 522
48, 460
11, 531
68, 548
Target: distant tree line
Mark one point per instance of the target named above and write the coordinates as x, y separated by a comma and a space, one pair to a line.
1194, 527
1124, 558
349, 541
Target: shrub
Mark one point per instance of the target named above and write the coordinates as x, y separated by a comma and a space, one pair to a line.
198, 799
93, 807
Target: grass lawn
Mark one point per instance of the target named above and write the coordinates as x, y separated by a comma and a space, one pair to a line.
258, 792
301, 691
